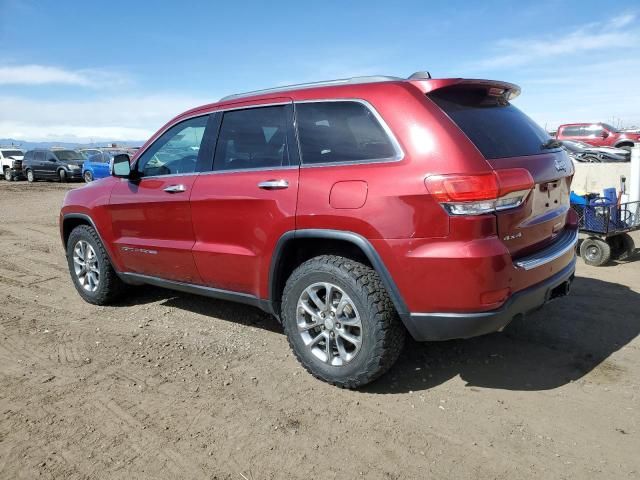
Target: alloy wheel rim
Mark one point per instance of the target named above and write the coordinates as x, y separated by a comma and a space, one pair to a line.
592, 253
85, 266
329, 323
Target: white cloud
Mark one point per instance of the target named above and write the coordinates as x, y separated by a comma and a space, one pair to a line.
43, 75
112, 118
618, 32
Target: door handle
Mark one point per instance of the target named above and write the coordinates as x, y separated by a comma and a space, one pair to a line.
175, 188
273, 184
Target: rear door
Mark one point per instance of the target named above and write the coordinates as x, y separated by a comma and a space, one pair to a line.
100, 166
244, 205
151, 217
507, 138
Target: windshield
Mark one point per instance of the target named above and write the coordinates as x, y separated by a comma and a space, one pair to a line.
68, 155
12, 153
497, 128
610, 128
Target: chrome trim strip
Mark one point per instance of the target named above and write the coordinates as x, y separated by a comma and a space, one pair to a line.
240, 170
323, 83
394, 141
562, 245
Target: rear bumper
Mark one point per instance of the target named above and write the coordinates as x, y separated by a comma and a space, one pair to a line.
447, 326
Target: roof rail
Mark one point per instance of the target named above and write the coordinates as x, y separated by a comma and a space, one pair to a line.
326, 83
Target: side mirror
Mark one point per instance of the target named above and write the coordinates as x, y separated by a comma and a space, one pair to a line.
604, 134
120, 166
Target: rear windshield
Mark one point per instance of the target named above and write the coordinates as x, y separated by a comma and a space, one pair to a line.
68, 155
12, 153
497, 128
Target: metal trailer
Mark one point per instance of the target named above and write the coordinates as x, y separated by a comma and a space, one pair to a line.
604, 230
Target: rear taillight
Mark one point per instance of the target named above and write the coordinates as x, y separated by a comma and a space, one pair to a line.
482, 193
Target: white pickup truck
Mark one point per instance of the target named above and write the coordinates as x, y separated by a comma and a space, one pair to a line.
11, 162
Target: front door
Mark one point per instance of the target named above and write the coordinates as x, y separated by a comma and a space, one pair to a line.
248, 201
151, 217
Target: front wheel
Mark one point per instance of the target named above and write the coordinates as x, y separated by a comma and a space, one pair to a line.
595, 252
91, 271
62, 175
30, 176
340, 321
7, 174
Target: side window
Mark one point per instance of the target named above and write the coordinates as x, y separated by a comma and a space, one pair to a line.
176, 151
346, 131
593, 131
572, 131
252, 138
39, 156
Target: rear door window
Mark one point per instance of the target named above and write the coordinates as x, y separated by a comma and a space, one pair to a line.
497, 128
253, 138
342, 131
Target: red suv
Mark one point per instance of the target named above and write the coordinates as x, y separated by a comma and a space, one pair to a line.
352, 210
597, 134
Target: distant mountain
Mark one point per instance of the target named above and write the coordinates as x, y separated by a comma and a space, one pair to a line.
25, 145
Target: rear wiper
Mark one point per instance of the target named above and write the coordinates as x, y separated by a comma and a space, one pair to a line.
551, 143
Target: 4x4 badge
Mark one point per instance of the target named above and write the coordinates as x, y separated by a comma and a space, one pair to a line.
560, 165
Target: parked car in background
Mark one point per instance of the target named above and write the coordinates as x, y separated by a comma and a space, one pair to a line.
11, 163
583, 152
53, 164
87, 152
597, 134
433, 207
97, 165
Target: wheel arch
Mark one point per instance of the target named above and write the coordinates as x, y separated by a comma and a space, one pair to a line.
624, 143
297, 246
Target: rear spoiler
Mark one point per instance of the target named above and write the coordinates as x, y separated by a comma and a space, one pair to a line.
494, 87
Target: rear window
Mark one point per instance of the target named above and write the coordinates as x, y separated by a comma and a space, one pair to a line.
497, 128
68, 155
12, 153
343, 131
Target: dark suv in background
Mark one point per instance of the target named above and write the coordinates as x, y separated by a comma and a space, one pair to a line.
53, 164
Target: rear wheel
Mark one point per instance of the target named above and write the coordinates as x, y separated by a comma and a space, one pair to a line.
624, 246
595, 252
30, 176
88, 178
340, 321
91, 271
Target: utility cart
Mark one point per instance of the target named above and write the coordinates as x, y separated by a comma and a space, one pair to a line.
604, 229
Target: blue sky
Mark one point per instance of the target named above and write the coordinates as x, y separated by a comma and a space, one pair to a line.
115, 70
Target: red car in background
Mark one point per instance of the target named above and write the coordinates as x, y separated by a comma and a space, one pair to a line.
597, 134
352, 210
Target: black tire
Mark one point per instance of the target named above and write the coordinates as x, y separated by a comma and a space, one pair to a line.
8, 176
62, 176
626, 247
382, 333
110, 287
88, 177
595, 252
626, 147
30, 176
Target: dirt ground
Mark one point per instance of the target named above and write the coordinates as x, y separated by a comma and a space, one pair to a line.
170, 385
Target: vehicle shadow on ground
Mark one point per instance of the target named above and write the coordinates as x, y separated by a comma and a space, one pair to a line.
559, 344
210, 307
